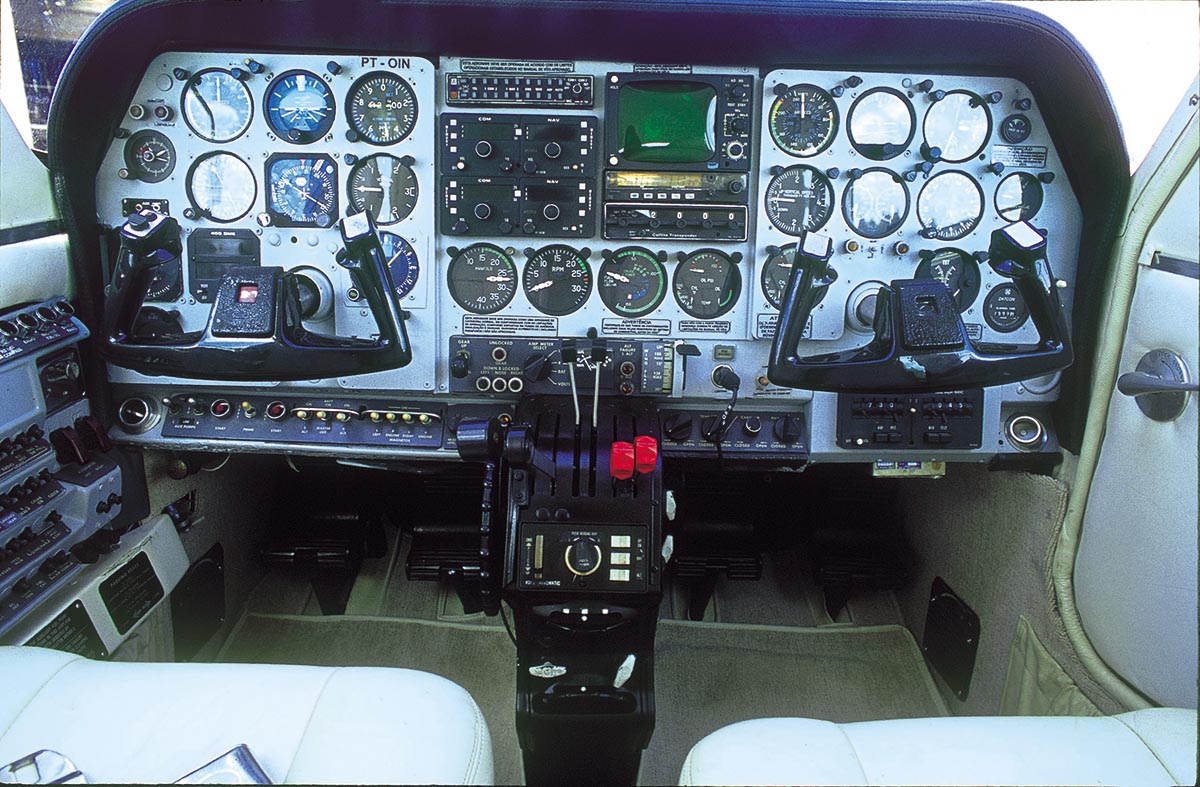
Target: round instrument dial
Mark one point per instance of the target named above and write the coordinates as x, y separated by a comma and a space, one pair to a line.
1019, 197
875, 204
707, 284
381, 108
632, 282
799, 198
216, 106
957, 270
299, 107
1015, 129
221, 187
881, 123
402, 262
803, 121
950, 206
482, 278
557, 280
1004, 309
149, 156
302, 191
776, 273
384, 186
959, 125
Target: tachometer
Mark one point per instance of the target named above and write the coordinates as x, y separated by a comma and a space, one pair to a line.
402, 262
956, 269
881, 123
381, 108
303, 191
557, 279
707, 283
950, 206
798, 198
776, 273
385, 186
803, 120
959, 125
216, 105
299, 107
1019, 197
633, 282
482, 278
149, 156
221, 187
876, 203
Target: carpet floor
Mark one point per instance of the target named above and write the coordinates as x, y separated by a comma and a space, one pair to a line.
706, 675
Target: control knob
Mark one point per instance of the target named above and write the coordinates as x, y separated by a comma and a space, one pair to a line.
460, 365
552, 150
678, 427
583, 557
482, 211
787, 429
483, 148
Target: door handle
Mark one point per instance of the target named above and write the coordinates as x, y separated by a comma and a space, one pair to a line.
1141, 383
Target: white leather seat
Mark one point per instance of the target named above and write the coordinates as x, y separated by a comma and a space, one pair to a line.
123, 722
1150, 747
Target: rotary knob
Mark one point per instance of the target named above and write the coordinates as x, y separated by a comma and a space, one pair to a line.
583, 557
553, 150
678, 427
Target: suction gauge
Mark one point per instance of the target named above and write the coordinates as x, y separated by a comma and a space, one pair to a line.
1019, 197
803, 121
381, 108
299, 107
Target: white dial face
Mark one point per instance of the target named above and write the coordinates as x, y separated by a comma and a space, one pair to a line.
222, 187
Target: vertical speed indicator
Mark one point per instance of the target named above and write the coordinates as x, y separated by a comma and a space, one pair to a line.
381, 108
803, 120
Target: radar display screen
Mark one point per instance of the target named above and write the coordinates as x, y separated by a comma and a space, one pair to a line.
667, 121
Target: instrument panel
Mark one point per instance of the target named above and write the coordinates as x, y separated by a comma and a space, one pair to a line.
649, 206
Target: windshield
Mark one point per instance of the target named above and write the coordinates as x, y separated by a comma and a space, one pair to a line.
1146, 51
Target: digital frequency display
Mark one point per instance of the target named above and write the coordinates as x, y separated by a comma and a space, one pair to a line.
667, 121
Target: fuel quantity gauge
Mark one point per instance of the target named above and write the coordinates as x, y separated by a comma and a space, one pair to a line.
956, 269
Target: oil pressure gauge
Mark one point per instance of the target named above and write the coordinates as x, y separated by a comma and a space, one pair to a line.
707, 283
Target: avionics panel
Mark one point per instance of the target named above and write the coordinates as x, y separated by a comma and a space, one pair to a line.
655, 206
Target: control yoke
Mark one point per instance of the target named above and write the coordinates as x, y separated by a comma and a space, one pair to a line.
255, 331
920, 341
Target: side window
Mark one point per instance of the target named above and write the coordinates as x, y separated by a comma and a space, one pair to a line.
35, 38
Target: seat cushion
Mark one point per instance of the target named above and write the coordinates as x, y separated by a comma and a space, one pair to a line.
1152, 747
124, 722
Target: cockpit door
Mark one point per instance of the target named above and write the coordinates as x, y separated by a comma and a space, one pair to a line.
1135, 569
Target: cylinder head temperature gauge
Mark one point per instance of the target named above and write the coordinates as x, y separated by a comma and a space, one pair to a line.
956, 269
